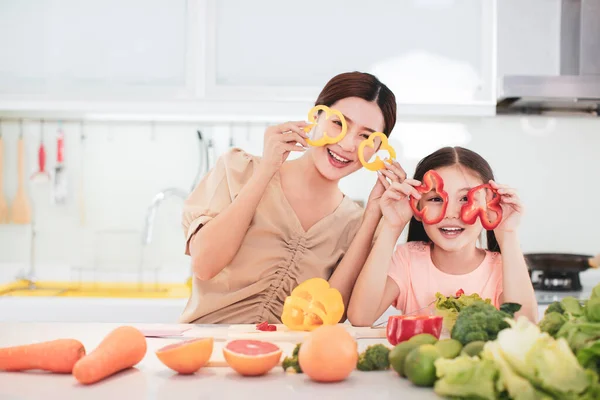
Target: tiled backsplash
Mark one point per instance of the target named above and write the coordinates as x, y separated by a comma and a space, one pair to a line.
120, 167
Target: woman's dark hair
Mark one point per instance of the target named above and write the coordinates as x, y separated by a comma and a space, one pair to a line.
364, 86
446, 157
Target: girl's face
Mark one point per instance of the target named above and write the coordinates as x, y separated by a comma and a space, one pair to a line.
336, 161
451, 233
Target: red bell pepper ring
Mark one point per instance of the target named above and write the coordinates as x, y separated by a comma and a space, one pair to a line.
471, 210
431, 181
402, 327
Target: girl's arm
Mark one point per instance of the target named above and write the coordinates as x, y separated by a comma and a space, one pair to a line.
231, 224
516, 283
345, 275
375, 291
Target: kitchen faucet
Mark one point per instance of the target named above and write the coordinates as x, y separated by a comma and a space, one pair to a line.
163, 195
174, 192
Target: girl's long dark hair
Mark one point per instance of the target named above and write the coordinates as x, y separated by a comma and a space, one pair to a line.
445, 157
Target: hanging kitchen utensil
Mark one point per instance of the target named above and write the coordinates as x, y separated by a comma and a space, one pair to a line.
21, 210
3, 204
60, 175
41, 172
202, 160
81, 193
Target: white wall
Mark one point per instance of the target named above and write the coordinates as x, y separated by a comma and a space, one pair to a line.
552, 162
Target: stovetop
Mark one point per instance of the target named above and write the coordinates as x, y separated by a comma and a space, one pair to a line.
554, 281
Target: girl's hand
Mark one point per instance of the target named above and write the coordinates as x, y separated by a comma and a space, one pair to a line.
395, 173
512, 209
279, 141
395, 203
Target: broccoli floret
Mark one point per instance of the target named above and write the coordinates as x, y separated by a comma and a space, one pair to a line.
479, 321
291, 364
552, 322
556, 307
374, 358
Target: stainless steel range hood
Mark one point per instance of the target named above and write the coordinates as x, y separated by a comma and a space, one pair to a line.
576, 91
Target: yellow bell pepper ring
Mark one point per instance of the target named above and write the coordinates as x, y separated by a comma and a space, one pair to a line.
370, 142
325, 139
311, 304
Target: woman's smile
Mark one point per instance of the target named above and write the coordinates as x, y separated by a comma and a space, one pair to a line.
337, 160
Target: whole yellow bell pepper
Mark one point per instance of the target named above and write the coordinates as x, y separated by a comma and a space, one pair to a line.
311, 304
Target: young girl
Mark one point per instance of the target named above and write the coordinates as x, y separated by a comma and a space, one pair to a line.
442, 256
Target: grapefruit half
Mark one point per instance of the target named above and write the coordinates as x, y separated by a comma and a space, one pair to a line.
188, 356
252, 357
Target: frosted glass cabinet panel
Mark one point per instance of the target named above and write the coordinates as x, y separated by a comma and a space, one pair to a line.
55, 47
426, 50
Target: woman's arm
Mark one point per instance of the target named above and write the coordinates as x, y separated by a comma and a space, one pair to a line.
345, 275
375, 291
516, 283
347, 271
231, 224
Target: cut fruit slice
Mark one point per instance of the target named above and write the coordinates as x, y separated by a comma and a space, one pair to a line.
186, 357
252, 357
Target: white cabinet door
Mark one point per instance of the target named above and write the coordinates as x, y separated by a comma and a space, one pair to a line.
102, 49
427, 51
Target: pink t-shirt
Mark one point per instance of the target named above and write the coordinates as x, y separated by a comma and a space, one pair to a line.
418, 279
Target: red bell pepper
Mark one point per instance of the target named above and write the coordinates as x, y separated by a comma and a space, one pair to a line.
431, 181
402, 327
264, 326
471, 210
459, 292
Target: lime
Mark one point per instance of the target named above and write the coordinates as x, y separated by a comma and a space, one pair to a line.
473, 349
449, 348
419, 365
398, 354
423, 338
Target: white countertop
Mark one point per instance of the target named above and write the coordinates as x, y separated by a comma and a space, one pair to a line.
152, 380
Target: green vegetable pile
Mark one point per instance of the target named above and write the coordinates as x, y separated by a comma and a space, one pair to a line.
450, 307
290, 364
522, 363
482, 321
374, 358
579, 324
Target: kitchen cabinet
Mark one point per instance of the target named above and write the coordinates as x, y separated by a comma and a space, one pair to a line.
108, 50
430, 52
201, 58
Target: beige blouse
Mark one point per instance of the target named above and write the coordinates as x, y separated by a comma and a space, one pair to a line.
276, 254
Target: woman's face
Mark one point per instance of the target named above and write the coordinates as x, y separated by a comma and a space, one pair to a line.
336, 161
451, 233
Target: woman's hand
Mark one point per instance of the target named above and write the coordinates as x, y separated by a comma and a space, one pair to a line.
512, 209
395, 204
395, 173
279, 141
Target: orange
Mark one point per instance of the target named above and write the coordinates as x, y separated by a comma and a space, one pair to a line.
252, 357
329, 354
186, 357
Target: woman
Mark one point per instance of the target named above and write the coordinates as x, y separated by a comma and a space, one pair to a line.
256, 227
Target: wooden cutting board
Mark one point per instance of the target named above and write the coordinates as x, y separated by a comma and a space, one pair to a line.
284, 334
249, 331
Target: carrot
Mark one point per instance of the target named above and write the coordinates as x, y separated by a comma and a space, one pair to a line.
57, 356
122, 348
